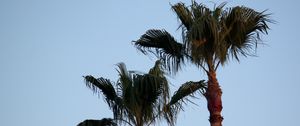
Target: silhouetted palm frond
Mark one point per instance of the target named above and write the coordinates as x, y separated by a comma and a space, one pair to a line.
210, 36
102, 85
180, 96
184, 15
164, 46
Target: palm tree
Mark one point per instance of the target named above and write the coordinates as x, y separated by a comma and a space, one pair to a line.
142, 99
210, 38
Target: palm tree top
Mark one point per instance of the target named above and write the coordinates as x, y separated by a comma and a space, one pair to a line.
210, 36
142, 99
137, 98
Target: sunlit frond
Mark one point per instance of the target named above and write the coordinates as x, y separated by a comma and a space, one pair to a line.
164, 46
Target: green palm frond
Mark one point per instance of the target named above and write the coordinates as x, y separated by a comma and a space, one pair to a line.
184, 15
154, 91
210, 36
180, 96
162, 45
245, 25
187, 89
140, 93
201, 38
142, 97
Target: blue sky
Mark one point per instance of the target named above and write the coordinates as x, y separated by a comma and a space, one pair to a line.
47, 46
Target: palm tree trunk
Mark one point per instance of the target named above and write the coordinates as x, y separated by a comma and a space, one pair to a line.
213, 97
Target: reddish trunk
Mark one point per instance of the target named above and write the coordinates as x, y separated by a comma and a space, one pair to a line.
214, 101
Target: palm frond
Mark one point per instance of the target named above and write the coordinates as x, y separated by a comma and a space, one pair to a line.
184, 15
162, 45
187, 89
125, 88
102, 85
218, 10
203, 35
150, 90
180, 96
245, 25
159, 72
125, 82
124, 74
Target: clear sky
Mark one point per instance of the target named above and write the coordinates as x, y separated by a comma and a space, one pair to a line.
46, 46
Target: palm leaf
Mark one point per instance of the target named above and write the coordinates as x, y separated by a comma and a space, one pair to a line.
102, 85
201, 38
158, 71
245, 25
180, 96
125, 84
143, 94
187, 89
162, 45
147, 90
184, 15
125, 88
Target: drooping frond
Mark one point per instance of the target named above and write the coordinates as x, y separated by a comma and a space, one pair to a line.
187, 89
102, 85
245, 26
105, 86
164, 46
180, 96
